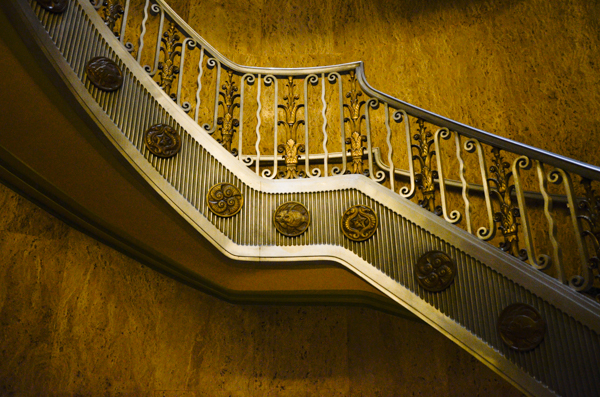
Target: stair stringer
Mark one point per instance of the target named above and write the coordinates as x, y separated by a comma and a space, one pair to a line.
567, 361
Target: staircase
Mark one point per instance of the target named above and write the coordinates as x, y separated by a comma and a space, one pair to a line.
455, 224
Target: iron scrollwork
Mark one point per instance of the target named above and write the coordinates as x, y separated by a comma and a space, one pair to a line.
590, 213
291, 149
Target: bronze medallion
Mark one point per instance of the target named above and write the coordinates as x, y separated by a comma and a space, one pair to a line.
224, 200
55, 6
359, 223
521, 327
435, 271
104, 73
291, 219
162, 140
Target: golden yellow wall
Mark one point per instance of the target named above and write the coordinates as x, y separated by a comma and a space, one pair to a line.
79, 317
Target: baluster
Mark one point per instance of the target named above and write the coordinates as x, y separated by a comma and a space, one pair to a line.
143, 33
268, 80
356, 138
211, 63
258, 122
191, 44
483, 233
408, 193
228, 123
167, 69
584, 280
465, 184
390, 148
199, 83
325, 136
427, 175
372, 103
315, 172
291, 148
152, 70
540, 262
249, 79
128, 46
333, 77
454, 216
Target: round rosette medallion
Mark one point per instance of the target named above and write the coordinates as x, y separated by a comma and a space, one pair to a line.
162, 140
359, 223
291, 219
435, 271
224, 200
104, 73
521, 327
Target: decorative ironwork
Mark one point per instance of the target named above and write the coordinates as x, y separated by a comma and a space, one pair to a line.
104, 73
590, 213
224, 200
506, 218
359, 223
228, 122
167, 69
113, 10
162, 140
291, 148
291, 219
356, 138
521, 327
435, 271
425, 179
55, 6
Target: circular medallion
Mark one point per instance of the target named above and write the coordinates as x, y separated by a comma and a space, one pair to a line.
224, 200
291, 219
435, 271
104, 73
359, 223
56, 6
162, 140
521, 327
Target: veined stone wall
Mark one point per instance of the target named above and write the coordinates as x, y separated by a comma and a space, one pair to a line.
78, 318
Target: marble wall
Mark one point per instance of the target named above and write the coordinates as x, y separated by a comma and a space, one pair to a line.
78, 318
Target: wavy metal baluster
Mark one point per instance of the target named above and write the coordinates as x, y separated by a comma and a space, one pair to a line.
143, 33
483, 233
465, 184
556, 249
400, 116
585, 280
199, 81
380, 175
258, 122
390, 148
268, 80
249, 79
155, 8
128, 46
540, 262
315, 172
332, 78
454, 216
325, 136
191, 44
212, 62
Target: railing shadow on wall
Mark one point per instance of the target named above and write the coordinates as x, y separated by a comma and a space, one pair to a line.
327, 121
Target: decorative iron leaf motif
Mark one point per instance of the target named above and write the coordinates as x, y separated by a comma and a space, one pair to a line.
162, 140
359, 223
356, 138
113, 10
435, 271
104, 73
224, 200
521, 327
228, 122
590, 213
167, 68
425, 179
291, 148
291, 219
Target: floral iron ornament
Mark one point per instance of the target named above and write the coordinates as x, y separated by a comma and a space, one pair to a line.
113, 10
168, 69
590, 213
356, 138
359, 223
291, 149
228, 122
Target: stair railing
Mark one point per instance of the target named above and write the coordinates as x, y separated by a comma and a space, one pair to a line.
288, 123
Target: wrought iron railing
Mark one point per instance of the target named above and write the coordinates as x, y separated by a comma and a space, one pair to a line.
327, 121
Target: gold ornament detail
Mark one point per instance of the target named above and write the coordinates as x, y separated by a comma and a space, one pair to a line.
356, 138
425, 179
228, 122
162, 140
292, 148
224, 200
521, 327
291, 219
167, 68
509, 211
590, 213
104, 73
435, 271
55, 6
359, 223
111, 13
